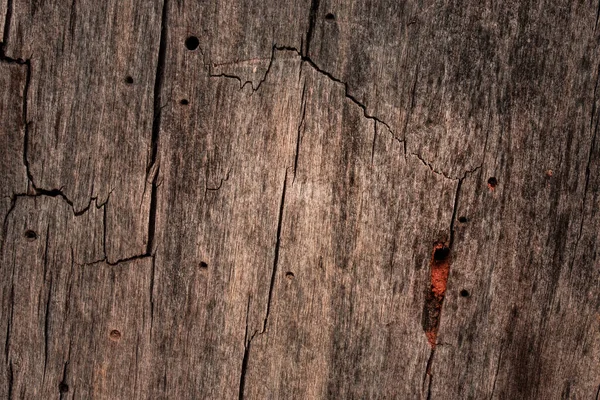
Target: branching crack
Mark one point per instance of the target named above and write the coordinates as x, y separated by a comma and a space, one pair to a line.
310, 62
220, 184
248, 341
237, 78
428, 165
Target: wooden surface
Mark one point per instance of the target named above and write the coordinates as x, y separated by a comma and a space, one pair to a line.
273, 200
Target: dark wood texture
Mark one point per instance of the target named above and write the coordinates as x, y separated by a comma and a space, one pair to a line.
262, 200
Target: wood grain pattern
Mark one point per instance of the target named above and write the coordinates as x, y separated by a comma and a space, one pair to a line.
89, 125
244, 200
12, 131
3, 11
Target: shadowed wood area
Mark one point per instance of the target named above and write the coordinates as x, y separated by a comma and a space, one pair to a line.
300, 199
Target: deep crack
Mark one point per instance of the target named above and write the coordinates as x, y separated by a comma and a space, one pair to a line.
276, 256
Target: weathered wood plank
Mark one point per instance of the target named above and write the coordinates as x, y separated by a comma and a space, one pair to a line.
530, 328
72, 328
13, 178
219, 195
90, 106
279, 176
353, 260
237, 38
3, 13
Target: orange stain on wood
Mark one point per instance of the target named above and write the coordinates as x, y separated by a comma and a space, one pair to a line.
439, 269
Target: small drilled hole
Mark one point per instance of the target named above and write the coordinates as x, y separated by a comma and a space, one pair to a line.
192, 43
289, 275
63, 387
330, 17
441, 254
184, 102
114, 335
203, 265
129, 80
462, 219
492, 182
30, 235
464, 293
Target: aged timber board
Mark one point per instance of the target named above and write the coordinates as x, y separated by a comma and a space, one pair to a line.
316, 199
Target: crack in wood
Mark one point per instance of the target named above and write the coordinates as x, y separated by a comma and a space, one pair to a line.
213, 189
47, 313
11, 379
347, 94
152, 295
428, 377
276, 257
247, 343
242, 83
11, 315
152, 214
158, 84
497, 371
300, 128
374, 140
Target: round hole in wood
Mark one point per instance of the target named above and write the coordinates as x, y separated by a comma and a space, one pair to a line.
492, 182
192, 43
184, 102
289, 275
441, 254
462, 219
114, 335
203, 265
464, 293
30, 235
63, 387
330, 17
129, 80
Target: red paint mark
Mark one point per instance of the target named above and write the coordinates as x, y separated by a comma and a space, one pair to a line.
440, 269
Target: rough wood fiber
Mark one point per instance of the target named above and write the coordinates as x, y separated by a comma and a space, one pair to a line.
3, 9
279, 188
13, 178
90, 128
